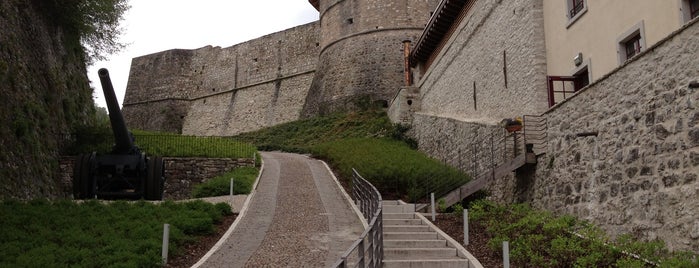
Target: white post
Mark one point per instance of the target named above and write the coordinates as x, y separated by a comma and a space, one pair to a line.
166, 242
231, 187
466, 227
433, 208
506, 254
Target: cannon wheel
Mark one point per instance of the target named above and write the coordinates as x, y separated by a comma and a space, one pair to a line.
155, 180
83, 179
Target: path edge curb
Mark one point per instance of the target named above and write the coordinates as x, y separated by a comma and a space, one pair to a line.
349, 199
241, 215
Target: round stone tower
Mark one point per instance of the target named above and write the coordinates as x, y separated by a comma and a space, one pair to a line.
361, 58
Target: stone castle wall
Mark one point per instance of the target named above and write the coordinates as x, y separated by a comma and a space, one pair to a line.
639, 175
361, 58
223, 91
493, 67
454, 126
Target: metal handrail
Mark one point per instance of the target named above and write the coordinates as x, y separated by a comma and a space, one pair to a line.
369, 247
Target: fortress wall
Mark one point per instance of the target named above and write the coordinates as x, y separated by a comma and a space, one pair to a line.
450, 125
361, 51
163, 75
471, 79
371, 15
248, 109
639, 175
193, 84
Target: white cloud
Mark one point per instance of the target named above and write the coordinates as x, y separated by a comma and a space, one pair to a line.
157, 25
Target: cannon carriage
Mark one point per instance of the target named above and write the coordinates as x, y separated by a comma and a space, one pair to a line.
126, 172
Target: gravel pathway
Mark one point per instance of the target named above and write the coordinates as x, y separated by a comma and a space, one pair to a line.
298, 217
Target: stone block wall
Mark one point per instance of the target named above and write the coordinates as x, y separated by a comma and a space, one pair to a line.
639, 174
182, 90
361, 57
181, 174
470, 146
493, 67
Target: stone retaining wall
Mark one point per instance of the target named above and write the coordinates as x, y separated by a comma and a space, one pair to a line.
181, 174
639, 173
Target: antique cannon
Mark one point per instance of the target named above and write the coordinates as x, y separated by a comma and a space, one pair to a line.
126, 172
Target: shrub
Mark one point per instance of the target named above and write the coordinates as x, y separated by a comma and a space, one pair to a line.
538, 239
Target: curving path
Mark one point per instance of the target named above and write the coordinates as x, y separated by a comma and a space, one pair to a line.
297, 217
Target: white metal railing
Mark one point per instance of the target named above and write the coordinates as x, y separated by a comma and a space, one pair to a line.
367, 251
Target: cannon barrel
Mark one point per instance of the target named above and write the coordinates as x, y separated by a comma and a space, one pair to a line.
122, 138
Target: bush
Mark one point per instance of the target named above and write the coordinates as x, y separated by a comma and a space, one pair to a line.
244, 177
538, 239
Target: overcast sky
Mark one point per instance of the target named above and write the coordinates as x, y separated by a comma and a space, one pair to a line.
156, 25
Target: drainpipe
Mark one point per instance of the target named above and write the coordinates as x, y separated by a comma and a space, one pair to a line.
406, 62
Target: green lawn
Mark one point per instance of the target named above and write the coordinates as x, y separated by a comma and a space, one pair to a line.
94, 234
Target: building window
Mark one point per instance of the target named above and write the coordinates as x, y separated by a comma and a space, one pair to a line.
575, 9
564, 87
577, 6
690, 10
631, 42
633, 46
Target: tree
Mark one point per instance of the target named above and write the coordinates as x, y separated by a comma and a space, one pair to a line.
93, 24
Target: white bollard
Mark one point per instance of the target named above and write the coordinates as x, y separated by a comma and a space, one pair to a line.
506, 254
231, 188
466, 227
166, 242
433, 208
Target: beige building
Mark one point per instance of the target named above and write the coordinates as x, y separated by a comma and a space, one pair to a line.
586, 40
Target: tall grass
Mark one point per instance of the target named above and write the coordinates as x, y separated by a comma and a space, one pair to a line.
191, 146
94, 234
300, 136
243, 179
100, 139
392, 166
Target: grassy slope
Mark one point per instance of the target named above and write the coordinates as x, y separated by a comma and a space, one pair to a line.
368, 142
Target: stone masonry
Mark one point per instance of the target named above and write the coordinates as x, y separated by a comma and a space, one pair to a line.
361, 56
467, 91
622, 153
181, 174
639, 173
352, 57
493, 67
223, 91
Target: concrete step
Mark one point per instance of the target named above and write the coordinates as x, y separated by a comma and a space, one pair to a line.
419, 253
407, 208
414, 243
392, 202
406, 228
401, 222
442, 263
410, 236
394, 216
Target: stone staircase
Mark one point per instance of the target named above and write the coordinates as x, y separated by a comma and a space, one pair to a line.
411, 241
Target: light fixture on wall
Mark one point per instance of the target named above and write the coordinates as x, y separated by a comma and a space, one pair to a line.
578, 59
